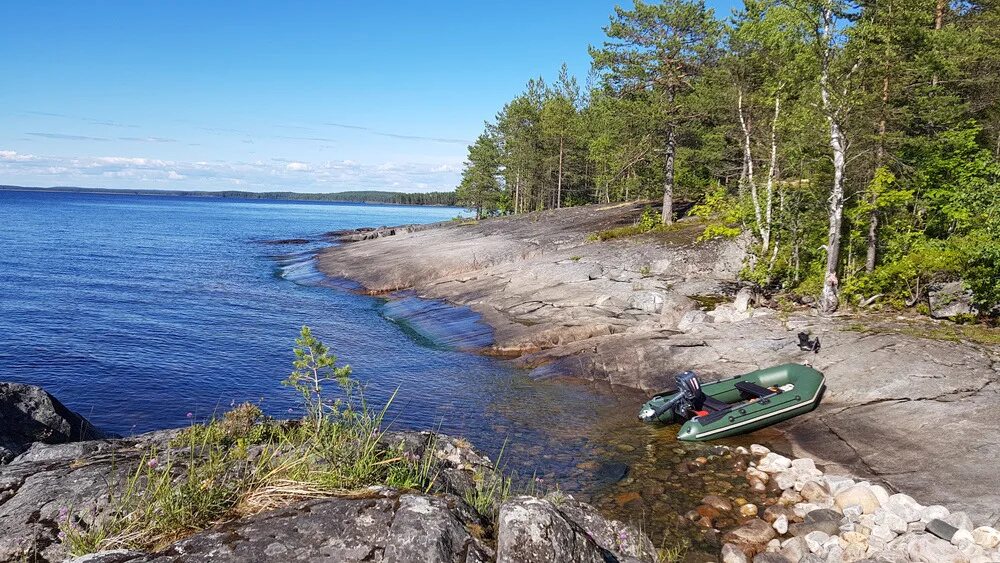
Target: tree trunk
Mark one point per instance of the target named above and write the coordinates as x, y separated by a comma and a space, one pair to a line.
772, 174
668, 180
829, 301
559, 181
872, 255
747, 178
517, 193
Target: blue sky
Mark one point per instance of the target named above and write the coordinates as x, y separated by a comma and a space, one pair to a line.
302, 96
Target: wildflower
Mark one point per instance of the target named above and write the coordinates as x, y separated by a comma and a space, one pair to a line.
190, 415
62, 535
152, 463
63, 514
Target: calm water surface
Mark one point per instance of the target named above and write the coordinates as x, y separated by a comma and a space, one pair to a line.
137, 310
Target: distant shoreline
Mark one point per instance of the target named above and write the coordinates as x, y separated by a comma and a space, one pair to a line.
373, 197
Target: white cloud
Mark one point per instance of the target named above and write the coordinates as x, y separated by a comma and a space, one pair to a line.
262, 175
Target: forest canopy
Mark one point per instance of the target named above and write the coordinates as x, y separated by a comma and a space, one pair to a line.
856, 143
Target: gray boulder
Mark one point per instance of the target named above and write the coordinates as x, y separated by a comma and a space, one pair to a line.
29, 414
950, 299
533, 530
408, 528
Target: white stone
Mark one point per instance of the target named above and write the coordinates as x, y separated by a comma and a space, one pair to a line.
883, 533
732, 554
815, 540
858, 494
780, 525
837, 483
986, 536
930, 549
891, 520
805, 466
774, 463
759, 450
785, 480
905, 507
962, 537
917, 526
758, 474
853, 512
741, 450
835, 554
803, 508
881, 494
788, 498
934, 511
960, 520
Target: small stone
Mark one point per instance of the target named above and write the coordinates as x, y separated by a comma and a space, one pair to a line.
717, 503
759, 450
822, 515
858, 494
785, 479
881, 494
742, 451
917, 526
986, 536
794, 549
835, 554
751, 537
776, 511
789, 498
933, 512
753, 472
774, 463
733, 554
855, 552
773, 545
780, 525
805, 466
748, 510
854, 537
814, 491
815, 540
962, 537
891, 520
837, 483
853, 512
905, 507
769, 557
932, 550
960, 520
882, 533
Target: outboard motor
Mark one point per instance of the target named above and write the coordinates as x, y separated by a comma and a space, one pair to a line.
689, 386
689, 397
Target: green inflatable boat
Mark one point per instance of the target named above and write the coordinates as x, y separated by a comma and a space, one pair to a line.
736, 405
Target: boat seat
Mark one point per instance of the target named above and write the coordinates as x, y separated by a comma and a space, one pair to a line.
753, 390
712, 404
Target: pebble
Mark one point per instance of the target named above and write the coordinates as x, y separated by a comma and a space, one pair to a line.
759, 450
986, 536
815, 540
774, 463
780, 524
748, 510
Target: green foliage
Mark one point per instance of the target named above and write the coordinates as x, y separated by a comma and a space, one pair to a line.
244, 463
729, 115
650, 220
721, 214
314, 366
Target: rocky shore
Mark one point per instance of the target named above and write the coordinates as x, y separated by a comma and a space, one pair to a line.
61, 484
909, 405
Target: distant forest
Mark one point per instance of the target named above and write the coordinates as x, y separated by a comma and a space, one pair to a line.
361, 196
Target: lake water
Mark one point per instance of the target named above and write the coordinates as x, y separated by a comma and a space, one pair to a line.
138, 310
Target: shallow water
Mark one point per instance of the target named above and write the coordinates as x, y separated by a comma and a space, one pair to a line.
147, 312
